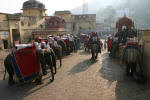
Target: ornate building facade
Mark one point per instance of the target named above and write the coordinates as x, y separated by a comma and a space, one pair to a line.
18, 27
33, 20
83, 23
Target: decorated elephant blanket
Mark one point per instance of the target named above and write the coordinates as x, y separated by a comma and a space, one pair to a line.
131, 53
25, 63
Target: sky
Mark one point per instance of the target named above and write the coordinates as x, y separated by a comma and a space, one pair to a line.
14, 6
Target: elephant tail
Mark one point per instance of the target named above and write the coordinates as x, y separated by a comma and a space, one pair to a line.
4, 74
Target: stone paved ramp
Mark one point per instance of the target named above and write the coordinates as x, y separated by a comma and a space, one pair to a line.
81, 79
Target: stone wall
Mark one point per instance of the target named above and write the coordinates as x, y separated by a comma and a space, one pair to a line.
30, 24
3, 22
33, 12
145, 42
85, 23
78, 23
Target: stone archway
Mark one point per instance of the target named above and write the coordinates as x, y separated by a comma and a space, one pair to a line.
15, 35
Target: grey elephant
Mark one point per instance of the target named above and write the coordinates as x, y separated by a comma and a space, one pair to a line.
132, 59
44, 58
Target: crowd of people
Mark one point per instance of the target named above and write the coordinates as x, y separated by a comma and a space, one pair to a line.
53, 48
120, 38
48, 50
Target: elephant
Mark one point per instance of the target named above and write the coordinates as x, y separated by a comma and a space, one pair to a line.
58, 53
114, 49
47, 58
132, 58
86, 45
94, 51
9, 68
76, 43
44, 58
72, 46
63, 46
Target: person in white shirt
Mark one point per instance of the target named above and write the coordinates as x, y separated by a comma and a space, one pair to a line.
70, 38
58, 37
115, 39
71, 43
56, 44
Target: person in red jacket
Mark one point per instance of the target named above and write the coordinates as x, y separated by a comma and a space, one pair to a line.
94, 40
109, 42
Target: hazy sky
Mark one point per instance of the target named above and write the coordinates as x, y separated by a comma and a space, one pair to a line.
14, 6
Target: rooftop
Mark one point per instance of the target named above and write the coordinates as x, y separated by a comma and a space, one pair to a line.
30, 4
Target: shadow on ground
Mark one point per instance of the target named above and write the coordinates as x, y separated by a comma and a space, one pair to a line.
18, 92
82, 66
84, 53
126, 88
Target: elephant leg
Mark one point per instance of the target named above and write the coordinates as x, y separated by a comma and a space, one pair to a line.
53, 59
10, 70
93, 54
43, 68
51, 68
4, 74
39, 80
96, 54
54, 63
127, 69
11, 74
74, 47
133, 68
60, 59
59, 54
43, 64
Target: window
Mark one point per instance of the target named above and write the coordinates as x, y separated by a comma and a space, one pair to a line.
41, 26
56, 24
22, 24
74, 26
84, 16
29, 24
50, 24
80, 28
89, 28
40, 6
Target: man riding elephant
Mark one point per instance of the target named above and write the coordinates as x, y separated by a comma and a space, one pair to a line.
131, 56
71, 43
49, 55
94, 45
63, 45
8, 64
56, 48
76, 42
41, 60
114, 45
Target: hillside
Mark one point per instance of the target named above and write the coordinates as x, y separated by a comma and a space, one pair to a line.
108, 11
